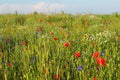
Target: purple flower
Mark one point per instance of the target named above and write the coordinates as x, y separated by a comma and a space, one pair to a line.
102, 52
80, 68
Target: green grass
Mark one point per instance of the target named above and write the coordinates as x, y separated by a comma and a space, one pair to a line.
28, 50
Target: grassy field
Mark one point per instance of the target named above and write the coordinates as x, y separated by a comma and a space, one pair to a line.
59, 47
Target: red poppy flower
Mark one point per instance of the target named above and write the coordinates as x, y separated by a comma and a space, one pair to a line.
67, 44
101, 61
8, 64
77, 54
55, 39
57, 77
96, 54
0, 47
94, 79
44, 71
39, 29
24, 43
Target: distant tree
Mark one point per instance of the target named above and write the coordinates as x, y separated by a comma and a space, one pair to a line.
16, 12
116, 14
35, 12
62, 12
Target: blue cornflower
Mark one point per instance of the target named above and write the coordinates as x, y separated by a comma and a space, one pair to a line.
102, 52
80, 68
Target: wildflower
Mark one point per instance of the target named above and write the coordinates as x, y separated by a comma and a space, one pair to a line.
44, 71
95, 55
0, 47
102, 53
80, 68
94, 78
67, 44
105, 22
39, 29
55, 39
56, 76
84, 36
61, 71
77, 54
101, 61
51, 33
24, 43
8, 64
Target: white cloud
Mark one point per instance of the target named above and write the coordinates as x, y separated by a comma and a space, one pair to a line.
44, 7
23, 8
56, 6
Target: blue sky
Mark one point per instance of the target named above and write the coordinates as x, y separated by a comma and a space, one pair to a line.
69, 6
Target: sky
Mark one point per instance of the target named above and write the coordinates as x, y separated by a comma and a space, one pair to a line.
55, 6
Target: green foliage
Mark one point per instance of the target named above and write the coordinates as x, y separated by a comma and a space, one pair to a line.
34, 49
35, 13
20, 19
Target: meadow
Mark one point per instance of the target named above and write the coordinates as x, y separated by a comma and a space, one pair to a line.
59, 47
